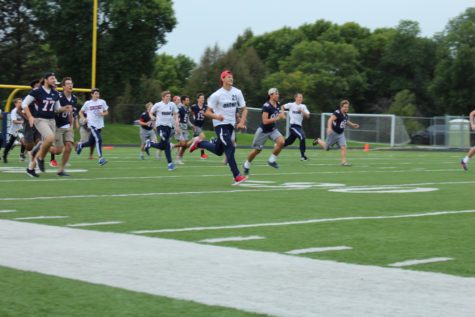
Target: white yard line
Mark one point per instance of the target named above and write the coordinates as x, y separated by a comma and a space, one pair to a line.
345, 171
320, 249
304, 222
230, 239
253, 281
6, 211
423, 261
89, 224
211, 192
231, 191
41, 217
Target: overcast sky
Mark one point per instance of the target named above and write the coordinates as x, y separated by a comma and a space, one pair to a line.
203, 23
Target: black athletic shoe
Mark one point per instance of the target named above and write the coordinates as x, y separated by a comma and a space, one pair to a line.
41, 164
31, 173
273, 164
63, 174
315, 141
245, 170
304, 158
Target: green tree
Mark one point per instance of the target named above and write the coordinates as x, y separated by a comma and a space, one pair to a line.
130, 32
454, 79
24, 53
173, 72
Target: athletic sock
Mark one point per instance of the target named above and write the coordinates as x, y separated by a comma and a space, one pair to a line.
466, 159
52, 157
272, 158
247, 164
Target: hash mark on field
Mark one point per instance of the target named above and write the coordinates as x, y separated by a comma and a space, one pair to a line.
6, 211
304, 222
41, 217
87, 224
321, 249
228, 239
415, 262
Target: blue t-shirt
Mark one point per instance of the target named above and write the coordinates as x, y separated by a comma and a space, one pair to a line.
62, 119
199, 115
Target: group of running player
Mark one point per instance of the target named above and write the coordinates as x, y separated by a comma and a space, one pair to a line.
44, 121
227, 109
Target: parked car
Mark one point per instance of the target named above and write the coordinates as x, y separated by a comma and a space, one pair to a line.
433, 135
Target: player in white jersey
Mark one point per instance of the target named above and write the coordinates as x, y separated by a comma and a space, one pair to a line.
93, 112
297, 111
222, 106
14, 132
471, 152
166, 116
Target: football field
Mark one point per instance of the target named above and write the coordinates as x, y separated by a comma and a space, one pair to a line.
392, 235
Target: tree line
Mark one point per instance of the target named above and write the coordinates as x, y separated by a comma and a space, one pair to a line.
386, 70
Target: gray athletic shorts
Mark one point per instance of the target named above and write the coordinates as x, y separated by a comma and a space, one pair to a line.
147, 135
260, 138
184, 135
85, 133
197, 131
335, 138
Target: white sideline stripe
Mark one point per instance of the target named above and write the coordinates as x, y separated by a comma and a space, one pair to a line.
41, 217
253, 281
231, 191
321, 249
6, 211
87, 224
304, 222
415, 262
217, 240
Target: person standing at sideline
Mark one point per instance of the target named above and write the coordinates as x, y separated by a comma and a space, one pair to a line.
92, 113
222, 106
297, 111
335, 130
271, 113
471, 152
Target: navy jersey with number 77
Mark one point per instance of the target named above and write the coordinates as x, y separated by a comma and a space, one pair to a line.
44, 103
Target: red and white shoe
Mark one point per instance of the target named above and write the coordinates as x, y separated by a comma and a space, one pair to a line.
239, 179
204, 156
194, 145
53, 163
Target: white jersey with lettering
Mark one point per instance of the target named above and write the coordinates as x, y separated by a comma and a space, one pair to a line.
15, 127
296, 112
224, 102
93, 110
164, 113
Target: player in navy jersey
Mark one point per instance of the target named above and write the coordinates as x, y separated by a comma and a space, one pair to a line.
297, 111
146, 129
41, 116
271, 113
335, 130
64, 138
198, 110
222, 109
471, 152
184, 123
93, 112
